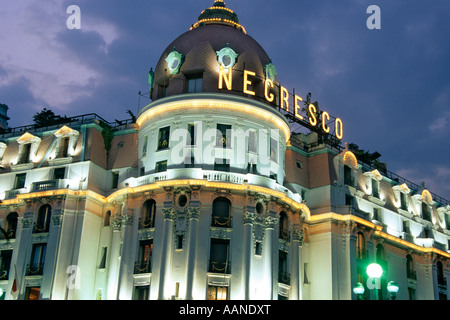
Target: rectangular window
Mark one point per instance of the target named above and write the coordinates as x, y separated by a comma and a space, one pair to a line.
163, 90
161, 166
19, 182
32, 293
59, 173
403, 202
141, 293
251, 168
102, 264
252, 144
25, 155
274, 150
375, 188
191, 134
194, 84
144, 147
223, 135
143, 265
63, 151
115, 180
348, 180
5, 264
219, 255
163, 138
37, 260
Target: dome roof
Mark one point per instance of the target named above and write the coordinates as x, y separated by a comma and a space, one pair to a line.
217, 36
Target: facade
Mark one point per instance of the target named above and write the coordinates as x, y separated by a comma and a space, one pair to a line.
208, 195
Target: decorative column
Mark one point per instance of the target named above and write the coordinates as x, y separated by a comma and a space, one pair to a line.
297, 274
115, 259
269, 223
127, 255
249, 217
169, 216
194, 217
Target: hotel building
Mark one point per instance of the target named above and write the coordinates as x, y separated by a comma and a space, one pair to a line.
209, 195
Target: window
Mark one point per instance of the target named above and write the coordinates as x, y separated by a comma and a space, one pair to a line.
11, 225
59, 173
107, 219
217, 293
147, 219
426, 215
221, 214
5, 264
179, 244
19, 182
283, 274
191, 134
361, 252
223, 138
274, 150
161, 166
43, 219
63, 150
194, 84
284, 226
102, 264
375, 188
163, 90
348, 179
221, 165
376, 214
24, 156
143, 264
32, 293
403, 203
141, 293
115, 180
299, 164
36, 266
219, 256
252, 144
163, 138
251, 168
144, 146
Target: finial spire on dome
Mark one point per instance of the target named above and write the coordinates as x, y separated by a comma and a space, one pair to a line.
218, 14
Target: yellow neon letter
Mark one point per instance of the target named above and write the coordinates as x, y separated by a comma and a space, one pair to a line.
297, 106
339, 128
324, 125
312, 114
284, 98
247, 82
269, 97
228, 81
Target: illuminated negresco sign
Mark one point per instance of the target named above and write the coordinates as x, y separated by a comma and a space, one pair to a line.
310, 115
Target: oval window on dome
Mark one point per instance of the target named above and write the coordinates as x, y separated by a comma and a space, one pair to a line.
227, 57
174, 62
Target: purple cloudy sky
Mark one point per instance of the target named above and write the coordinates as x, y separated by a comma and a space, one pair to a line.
391, 87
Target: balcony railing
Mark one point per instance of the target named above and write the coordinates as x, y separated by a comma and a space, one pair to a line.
142, 267
41, 227
35, 269
220, 267
221, 222
284, 277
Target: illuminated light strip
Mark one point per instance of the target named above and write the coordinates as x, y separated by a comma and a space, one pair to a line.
218, 8
218, 20
281, 195
209, 103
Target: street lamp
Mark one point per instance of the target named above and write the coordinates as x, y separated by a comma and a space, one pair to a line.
393, 288
374, 271
358, 289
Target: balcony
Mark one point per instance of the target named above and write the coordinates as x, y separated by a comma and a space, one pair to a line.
35, 269
220, 267
284, 277
50, 185
142, 267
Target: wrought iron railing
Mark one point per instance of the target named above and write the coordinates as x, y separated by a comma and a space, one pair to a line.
221, 222
142, 267
35, 269
220, 267
284, 277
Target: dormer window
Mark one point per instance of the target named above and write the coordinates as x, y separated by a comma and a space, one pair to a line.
65, 143
28, 145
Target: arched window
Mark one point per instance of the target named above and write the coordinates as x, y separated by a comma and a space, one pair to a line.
43, 219
107, 220
11, 225
221, 213
410, 272
284, 226
361, 246
148, 212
